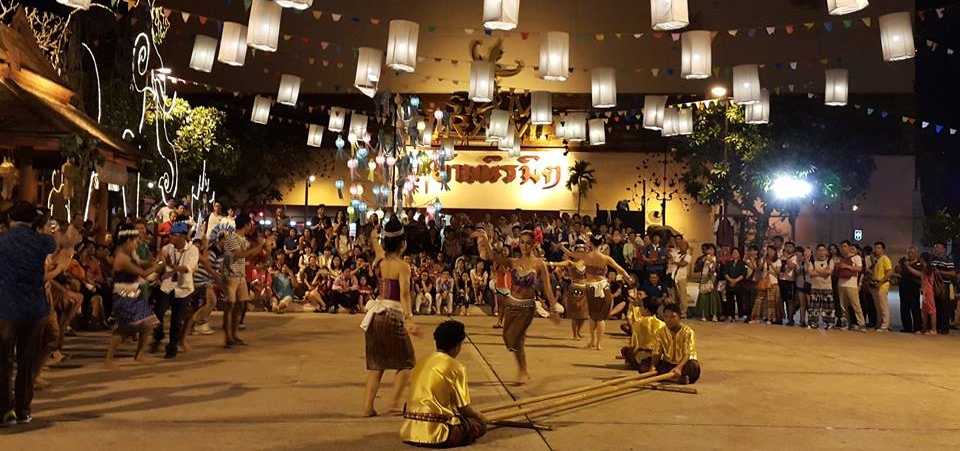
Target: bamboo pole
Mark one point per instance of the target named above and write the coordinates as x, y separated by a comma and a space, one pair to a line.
572, 391
673, 388
595, 395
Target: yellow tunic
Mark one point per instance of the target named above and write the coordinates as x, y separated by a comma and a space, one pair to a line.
438, 388
674, 347
643, 329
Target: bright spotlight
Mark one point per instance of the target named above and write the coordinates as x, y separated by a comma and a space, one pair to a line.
718, 91
150, 185
312, 178
855, 207
293, 223
787, 187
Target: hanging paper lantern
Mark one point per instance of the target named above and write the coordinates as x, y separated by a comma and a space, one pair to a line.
371, 167
289, 89
896, 36
337, 119
482, 82
506, 143
233, 44
575, 126
358, 127
204, 50
295, 4
696, 61
559, 126
315, 135
499, 125
669, 14
746, 84
603, 81
598, 134
501, 14
837, 89
263, 28
362, 153
684, 121
339, 142
759, 112
402, 46
381, 160
78, 4
653, 109
426, 135
260, 113
841, 7
391, 161
555, 56
369, 61
670, 117
541, 110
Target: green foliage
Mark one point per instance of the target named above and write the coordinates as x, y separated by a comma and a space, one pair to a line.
197, 134
583, 178
941, 227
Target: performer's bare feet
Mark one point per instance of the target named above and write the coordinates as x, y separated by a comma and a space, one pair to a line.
523, 378
184, 347
140, 358
370, 413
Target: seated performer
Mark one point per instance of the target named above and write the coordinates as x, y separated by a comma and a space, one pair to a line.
675, 350
644, 327
438, 414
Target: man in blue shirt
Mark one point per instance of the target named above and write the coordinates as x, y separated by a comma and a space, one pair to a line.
23, 309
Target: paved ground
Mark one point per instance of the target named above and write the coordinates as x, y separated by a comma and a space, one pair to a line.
299, 386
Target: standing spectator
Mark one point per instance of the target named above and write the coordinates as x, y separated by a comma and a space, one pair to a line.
945, 302
786, 280
216, 218
708, 300
735, 272
23, 310
910, 290
768, 307
237, 248
677, 270
848, 268
821, 306
882, 270
802, 290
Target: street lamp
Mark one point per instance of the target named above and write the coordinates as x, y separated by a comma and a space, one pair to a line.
306, 198
789, 187
718, 91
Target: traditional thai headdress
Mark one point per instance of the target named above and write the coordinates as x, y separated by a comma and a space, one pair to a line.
393, 234
128, 232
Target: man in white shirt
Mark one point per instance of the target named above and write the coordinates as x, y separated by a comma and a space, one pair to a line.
167, 211
176, 287
678, 267
216, 218
848, 273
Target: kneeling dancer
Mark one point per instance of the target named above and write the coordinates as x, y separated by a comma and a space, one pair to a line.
675, 350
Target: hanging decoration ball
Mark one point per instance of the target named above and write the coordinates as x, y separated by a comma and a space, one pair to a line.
603, 81
362, 153
263, 26
204, 51
501, 14
669, 14
555, 56
339, 142
746, 84
233, 44
438, 115
289, 89
295, 4
402, 45
369, 62
260, 113
415, 101
759, 112
835, 93
381, 160
371, 166
696, 60
497, 128
653, 111
421, 125
598, 134
896, 36
541, 108
337, 119
482, 81
338, 184
352, 164
841, 7
391, 161
315, 135
575, 126
684, 121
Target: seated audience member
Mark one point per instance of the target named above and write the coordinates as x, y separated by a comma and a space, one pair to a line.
438, 413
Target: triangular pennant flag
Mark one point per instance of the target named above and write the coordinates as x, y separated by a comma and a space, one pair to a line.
669, 72
312, 60
468, 30
618, 35
655, 72
202, 19
953, 131
911, 120
335, 17
733, 32
856, 106
638, 35
790, 87
323, 45
355, 19
789, 29
305, 40
810, 95
924, 124
374, 21
869, 111
286, 37
884, 114
867, 21
599, 36
317, 14
949, 51
847, 23
675, 36
339, 64
266, 70
940, 12
809, 25
828, 26
325, 63
185, 15
793, 65
524, 35
938, 128
771, 30
658, 35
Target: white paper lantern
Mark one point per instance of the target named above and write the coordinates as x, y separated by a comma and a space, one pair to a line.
426, 135
697, 60
402, 45
653, 110
498, 126
841, 7
746, 84
295, 4
263, 28
555, 56
482, 84
896, 36
501, 14
559, 126
315, 135
603, 81
204, 51
541, 108
358, 128
669, 14
447, 150
260, 113
233, 44
506, 143
575, 127
837, 89
598, 134
369, 61
338, 117
759, 112
79, 4
671, 116
289, 89
684, 121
